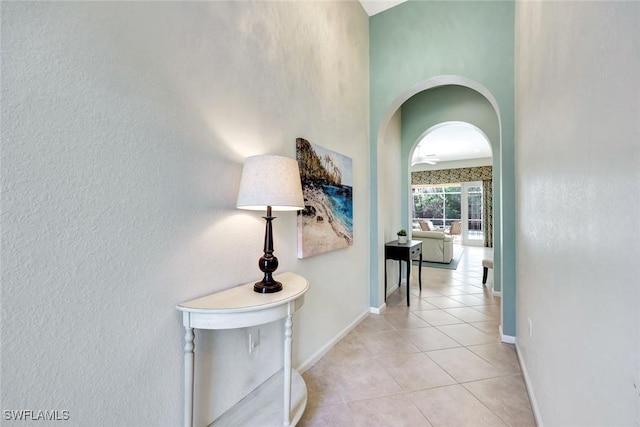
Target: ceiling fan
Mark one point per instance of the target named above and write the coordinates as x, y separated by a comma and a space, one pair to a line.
429, 159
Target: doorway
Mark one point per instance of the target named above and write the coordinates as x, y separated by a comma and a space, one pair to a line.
471, 206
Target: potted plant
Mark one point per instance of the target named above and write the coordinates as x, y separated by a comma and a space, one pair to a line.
402, 236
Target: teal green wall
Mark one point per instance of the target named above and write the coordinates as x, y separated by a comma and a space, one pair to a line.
416, 41
447, 103
450, 103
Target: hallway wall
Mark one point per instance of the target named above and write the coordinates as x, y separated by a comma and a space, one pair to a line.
124, 130
390, 181
578, 175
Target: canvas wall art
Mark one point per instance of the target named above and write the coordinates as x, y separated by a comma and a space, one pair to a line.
326, 222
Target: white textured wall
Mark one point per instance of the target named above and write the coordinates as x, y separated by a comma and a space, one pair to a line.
578, 222
124, 128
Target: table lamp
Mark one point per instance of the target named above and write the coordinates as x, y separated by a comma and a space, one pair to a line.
271, 183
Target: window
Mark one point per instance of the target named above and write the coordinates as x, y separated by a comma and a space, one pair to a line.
446, 203
440, 204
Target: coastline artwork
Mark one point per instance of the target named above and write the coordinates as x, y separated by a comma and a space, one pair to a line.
326, 222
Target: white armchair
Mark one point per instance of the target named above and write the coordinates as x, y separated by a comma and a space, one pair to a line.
436, 245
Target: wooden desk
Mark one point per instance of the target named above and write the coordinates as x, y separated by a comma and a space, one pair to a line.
241, 307
403, 252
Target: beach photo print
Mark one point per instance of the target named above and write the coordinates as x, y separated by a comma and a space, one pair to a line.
326, 222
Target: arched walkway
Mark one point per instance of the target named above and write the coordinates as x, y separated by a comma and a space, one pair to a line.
385, 135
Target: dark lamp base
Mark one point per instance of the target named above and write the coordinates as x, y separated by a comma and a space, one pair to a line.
267, 287
268, 263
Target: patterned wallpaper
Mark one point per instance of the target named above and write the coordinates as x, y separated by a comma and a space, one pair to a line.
444, 176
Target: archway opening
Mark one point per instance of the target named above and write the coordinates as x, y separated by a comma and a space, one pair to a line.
395, 167
450, 183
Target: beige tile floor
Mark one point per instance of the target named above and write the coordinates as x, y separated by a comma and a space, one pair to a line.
437, 363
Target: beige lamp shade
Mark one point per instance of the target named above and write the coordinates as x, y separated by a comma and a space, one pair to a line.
270, 181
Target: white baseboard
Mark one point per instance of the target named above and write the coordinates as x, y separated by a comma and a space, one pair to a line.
496, 293
378, 310
394, 287
527, 383
318, 355
506, 338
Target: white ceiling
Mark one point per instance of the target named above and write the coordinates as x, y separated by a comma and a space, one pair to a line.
452, 141
376, 6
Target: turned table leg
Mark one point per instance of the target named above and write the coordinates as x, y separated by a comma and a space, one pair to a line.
287, 365
188, 375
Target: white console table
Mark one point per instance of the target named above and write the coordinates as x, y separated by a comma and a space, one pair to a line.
241, 307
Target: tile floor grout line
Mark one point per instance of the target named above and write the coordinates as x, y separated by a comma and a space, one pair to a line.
395, 329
